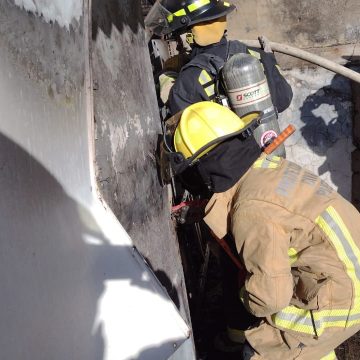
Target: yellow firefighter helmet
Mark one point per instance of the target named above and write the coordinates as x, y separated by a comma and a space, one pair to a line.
206, 124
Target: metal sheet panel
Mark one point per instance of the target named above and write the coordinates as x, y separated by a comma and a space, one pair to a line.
71, 287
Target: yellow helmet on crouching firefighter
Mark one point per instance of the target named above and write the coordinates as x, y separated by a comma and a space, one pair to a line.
206, 124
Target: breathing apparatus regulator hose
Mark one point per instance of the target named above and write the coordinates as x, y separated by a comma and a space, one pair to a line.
307, 56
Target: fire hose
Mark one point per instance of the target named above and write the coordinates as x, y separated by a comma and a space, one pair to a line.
307, 56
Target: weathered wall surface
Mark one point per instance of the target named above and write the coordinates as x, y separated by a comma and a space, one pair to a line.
304, 24
41, 237
322, 113
127, 126
328, 27
71, 285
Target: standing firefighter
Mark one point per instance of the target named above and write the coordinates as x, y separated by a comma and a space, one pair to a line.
298, 239
206, 21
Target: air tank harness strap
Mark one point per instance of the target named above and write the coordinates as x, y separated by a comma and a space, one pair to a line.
210, 66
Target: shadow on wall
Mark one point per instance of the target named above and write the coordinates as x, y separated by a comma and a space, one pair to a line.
354, 60
118, 13
51, 279
327, 118
170, 288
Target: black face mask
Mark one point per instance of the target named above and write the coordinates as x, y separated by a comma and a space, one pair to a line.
223, 166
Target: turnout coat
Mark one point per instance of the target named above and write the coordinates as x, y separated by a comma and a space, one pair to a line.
299, 242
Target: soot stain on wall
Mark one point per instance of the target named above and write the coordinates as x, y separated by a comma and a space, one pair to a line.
127, 128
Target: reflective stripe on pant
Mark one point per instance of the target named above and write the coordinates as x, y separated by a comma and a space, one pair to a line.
270, 343
249, 354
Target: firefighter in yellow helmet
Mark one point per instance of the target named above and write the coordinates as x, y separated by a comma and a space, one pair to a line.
297, 238
206, 21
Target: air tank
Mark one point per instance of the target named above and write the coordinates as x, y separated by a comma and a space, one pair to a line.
248, 90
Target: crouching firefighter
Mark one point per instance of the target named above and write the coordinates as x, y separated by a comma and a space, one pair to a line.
298, 239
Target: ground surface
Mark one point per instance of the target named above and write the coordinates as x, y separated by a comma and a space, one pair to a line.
208, 321
350, 350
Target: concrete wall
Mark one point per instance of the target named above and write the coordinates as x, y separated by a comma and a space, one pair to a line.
327, 27
127, 128
304, 24
322, 112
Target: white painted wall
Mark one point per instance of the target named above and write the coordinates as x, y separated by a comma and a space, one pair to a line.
62, 11
71, 285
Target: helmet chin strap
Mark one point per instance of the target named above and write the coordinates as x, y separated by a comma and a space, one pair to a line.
190, 38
